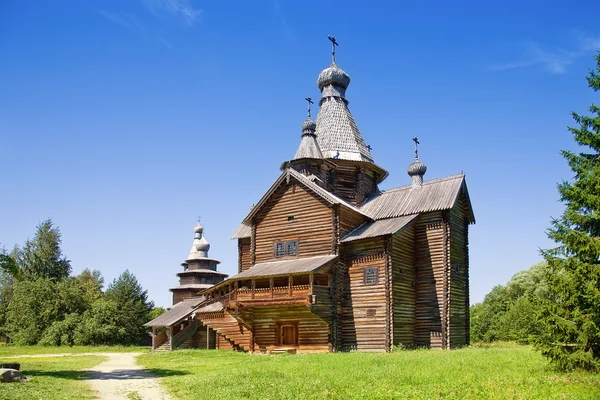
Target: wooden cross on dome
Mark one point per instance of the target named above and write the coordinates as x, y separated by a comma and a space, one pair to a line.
309, 100
333, 44
416, 146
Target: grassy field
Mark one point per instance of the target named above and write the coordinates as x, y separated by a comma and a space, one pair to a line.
510, 372
57, 378
7, 350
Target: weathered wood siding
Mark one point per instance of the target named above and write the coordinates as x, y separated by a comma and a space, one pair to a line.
352, 183
364, 309
430, 239
313, 332
403, 287
349, 220
458, 285
244, 254
312, 224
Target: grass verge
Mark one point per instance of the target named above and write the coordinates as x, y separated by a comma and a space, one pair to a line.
51, 378
515, 372
8, 350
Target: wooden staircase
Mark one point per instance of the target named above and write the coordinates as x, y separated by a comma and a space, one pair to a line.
225, 324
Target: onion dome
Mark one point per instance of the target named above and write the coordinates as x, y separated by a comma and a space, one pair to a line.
309, 126
200, 246
416, 170
333, 75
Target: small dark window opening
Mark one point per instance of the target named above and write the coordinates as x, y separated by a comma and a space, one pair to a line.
291, 218
371, 312
370, 276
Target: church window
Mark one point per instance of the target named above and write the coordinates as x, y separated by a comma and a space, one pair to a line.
280, 249
370, 276
291, 248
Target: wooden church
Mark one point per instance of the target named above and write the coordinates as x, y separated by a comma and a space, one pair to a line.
327, 261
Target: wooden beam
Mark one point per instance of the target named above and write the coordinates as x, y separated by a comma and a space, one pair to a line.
271, 284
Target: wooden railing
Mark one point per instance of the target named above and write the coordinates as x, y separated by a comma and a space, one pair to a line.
183, 335
160, 339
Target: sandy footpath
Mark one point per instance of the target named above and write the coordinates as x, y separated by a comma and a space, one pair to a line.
119, 377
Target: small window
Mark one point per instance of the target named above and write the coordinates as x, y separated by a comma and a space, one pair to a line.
370, 276
290, 218
280, 249
291, 248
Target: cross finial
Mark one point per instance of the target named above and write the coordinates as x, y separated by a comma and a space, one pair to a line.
198, 219
309, 101
333, 44
416, 147
369, 148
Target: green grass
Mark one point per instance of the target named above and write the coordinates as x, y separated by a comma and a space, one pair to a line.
8, 350
511, 372
51, 378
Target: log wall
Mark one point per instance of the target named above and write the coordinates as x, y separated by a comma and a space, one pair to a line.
311, 225
352, 183
458, 287
313, 332
403, 287
244, 254
430, 258
364, 311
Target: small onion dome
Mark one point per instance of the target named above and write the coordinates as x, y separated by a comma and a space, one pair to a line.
309, 126
333, 75
417, 168
203, 245
198, 228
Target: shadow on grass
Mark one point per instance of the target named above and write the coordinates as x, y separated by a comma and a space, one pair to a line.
122, 374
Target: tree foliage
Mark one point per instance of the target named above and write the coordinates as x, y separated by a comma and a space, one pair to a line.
572, 311
40, 303
42, 256
510, 312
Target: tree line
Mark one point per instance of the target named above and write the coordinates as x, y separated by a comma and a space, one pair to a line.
555, 305
41, 302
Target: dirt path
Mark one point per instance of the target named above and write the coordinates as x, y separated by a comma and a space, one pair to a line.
119, 377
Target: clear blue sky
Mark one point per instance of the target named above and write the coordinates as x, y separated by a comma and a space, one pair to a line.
125, 120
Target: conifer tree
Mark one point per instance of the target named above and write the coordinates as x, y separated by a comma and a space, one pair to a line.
572, 312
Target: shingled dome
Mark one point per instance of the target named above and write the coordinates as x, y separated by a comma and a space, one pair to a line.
333, 75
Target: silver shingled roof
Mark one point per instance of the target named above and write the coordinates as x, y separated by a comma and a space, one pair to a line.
243, 231
434, 195
177, 313
286, 267
380, 228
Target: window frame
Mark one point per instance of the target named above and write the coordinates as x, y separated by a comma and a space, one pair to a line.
371, 272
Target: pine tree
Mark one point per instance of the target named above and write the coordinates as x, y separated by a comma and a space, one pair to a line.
572, 313
133, 305
42, 257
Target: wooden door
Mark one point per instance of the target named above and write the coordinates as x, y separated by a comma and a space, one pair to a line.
288, 335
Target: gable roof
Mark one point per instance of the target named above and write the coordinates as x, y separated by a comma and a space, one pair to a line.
178, 312
243, 231
307, 183
380, 228
434, 195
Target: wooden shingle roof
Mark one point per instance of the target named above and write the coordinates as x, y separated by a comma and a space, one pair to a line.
286, 267
434, 195
177, 313
380, 228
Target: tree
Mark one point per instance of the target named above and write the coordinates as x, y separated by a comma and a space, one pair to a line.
133, 306
42, 257
572, 311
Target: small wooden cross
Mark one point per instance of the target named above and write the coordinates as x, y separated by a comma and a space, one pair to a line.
333, 44
416, 146
309, 100
369, 148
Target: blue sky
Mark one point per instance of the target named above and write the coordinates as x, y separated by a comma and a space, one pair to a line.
125, 120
